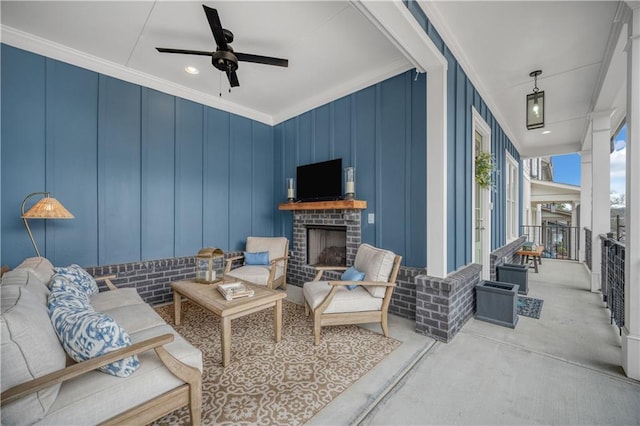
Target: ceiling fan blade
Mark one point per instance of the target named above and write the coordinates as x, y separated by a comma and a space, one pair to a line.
186, 52
267, 60
233, 78
216, 27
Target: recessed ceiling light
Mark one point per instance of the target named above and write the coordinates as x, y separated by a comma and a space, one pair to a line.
546, 132
191, 70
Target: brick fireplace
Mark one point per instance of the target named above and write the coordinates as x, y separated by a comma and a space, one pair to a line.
339, 216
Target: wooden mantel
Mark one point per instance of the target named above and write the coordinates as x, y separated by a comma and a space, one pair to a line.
325, 205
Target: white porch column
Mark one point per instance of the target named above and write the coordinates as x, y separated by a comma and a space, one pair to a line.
585, 198
600, 185
574, 222
631, 329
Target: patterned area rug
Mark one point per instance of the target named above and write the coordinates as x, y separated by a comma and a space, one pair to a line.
529, 307
271, 383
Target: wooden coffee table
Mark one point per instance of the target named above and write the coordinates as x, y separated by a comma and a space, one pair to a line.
209, 298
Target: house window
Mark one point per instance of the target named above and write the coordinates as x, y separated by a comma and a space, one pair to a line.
512, 186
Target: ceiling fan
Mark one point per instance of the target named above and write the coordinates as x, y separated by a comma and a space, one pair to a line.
224, 58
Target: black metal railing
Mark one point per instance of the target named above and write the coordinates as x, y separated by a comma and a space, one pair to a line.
620, 229
613, 253
559, 241
587, 247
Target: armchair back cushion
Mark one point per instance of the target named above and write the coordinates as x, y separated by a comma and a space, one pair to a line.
376, 263
276, 246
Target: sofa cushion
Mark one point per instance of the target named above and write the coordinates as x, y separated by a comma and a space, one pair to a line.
29, 349
27, 278
357, 300
40, 266
86, 334
106, 300
108, 396
135, 318
377, 264
79, 277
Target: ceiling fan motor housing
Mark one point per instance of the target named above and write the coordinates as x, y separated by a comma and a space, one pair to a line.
224, 60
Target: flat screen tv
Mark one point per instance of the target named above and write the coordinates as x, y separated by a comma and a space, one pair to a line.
319, 181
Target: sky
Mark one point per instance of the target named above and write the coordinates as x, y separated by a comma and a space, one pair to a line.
566, 168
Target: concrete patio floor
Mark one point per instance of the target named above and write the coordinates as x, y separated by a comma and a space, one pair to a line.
563, 368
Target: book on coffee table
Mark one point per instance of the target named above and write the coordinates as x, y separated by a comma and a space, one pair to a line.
234, 290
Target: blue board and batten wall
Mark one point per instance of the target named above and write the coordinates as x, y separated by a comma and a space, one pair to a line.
461, 97
380, 131
150, 176
147, 175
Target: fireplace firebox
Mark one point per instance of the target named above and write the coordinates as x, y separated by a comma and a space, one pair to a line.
327, 245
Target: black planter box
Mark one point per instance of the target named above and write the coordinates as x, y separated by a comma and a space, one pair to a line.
497, 303
515, 274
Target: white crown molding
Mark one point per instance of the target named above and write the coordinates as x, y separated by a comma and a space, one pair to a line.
440, 25
47, 48
364, 81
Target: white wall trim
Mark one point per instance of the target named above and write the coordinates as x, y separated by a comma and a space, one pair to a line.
47, 48
479, 124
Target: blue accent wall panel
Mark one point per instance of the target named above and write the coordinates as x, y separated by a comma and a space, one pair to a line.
365, 158
416, 250
71, 151
157, 214
23, 149
392, 164
147, 175
341, 131
118, 171
263, 185
241, 182
216, 178
461, 96
374, 130
188, 177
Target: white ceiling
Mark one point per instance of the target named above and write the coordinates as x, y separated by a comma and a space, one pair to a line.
333, 50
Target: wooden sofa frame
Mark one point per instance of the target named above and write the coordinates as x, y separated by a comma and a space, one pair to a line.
188, 394
321, 319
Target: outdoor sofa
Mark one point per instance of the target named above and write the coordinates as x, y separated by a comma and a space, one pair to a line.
41, 384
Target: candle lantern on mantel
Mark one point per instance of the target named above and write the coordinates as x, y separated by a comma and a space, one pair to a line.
205, 272
349, 183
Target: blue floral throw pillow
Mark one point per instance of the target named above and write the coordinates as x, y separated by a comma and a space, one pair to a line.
87, 334
66, 293
80, 277
352, 274
256, 258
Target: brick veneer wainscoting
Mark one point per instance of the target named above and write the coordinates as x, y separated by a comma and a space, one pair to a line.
152, 278
443, 305
506, 254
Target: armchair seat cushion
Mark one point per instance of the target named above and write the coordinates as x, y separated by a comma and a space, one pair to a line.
256, 274
356, 300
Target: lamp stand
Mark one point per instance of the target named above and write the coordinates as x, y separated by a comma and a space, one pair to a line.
24, 219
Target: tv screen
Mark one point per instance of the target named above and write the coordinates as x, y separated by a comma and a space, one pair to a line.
320, 181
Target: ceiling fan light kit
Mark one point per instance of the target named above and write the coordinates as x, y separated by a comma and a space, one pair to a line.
224, 58
535, 104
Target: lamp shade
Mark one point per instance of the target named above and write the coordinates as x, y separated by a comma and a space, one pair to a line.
47, 208
535, 110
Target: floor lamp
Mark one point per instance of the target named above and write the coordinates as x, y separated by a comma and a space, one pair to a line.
46, 208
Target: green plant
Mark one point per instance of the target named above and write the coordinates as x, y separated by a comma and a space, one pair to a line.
485, 166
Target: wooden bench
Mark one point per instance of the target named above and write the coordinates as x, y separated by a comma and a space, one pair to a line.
535, 255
